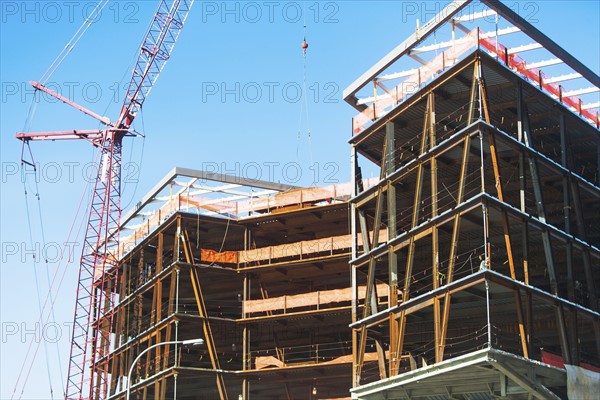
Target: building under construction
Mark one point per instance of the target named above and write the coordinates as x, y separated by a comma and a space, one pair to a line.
469, 269
484, 225
258, 270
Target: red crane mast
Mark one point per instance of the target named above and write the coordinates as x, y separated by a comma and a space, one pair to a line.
88, 374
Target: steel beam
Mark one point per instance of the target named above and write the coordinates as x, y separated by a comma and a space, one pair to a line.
534, 388
392, 256
537, 189
411, 248
454, 241
435, 256
507, 241
202, 175
208, 336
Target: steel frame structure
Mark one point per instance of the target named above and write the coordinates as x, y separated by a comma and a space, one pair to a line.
488, 192
254, 268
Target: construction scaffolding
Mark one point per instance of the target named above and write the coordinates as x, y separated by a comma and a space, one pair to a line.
488, 194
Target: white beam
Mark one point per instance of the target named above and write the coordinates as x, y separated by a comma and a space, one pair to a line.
563, 78
525, 47
449, 43
397, 75
221, 188
474, 16
578, 92
589, 106
546, 63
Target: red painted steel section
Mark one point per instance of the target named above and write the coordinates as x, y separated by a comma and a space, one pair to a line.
88, 376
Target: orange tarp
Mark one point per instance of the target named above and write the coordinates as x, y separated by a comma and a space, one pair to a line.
314, 246
226, 257
270, 361
309, 299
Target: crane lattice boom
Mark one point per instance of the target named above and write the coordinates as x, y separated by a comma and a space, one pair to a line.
154, 53
97, 296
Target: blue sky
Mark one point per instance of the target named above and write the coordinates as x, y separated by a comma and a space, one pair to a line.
227, 99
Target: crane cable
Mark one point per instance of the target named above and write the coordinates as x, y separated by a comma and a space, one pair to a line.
52, 314
24, 164
41, 317
304, 99
35, 268
91, 18
68, 48
30, 116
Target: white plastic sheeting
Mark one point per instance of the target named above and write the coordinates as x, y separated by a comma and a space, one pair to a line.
582, 384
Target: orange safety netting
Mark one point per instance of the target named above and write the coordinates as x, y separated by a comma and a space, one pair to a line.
382, 105
304, 248
515, 62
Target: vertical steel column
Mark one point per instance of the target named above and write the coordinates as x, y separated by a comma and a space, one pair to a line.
159, 252
539, 196
138, 310
370, 291
456, 220
371, 298
435, 257
246, 359
353, 273
454, 241
173, 286
522, 184
159, 311
392, 256
523, 208
507, 241
477, 101
564, 158
354, 175
117, 367
587, 264
177, 240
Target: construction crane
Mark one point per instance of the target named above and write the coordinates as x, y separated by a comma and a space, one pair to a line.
88, 375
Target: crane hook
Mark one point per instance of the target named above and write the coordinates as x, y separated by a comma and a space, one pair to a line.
304, 45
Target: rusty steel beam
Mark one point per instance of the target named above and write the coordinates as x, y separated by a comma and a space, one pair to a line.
456, 220
208, 336
371, 299
435, 256
411, 251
